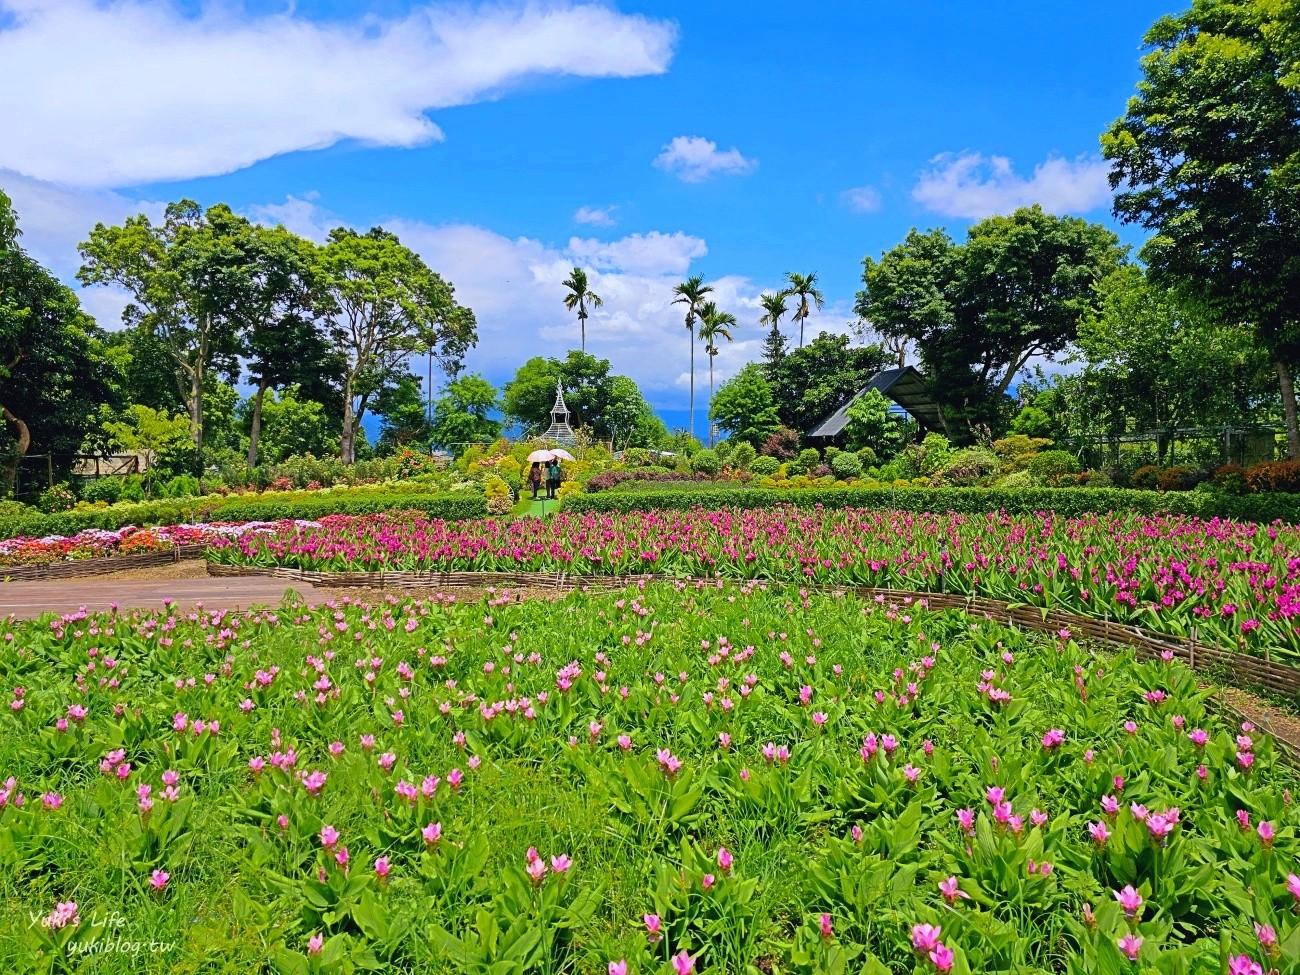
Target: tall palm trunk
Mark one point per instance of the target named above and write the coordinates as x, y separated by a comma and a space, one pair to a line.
691, 328
255, 427
711, 399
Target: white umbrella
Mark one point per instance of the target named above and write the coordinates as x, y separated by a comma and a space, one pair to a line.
540, 456
562, 454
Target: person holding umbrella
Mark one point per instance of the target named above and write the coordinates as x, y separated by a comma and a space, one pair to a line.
535, 478
552, 477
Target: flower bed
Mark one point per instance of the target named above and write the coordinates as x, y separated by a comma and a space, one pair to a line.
672, 778
98, 543
1237, 584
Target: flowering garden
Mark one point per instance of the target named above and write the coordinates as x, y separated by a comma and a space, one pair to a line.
1237, 584
674, 778
96, 543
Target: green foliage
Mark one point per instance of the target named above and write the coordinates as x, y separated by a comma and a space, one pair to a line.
462, 415
925, 459
405, 421
1050, 465
807, 459
846, 466
291, 426
812, 382
610, 405
872, 425
705, 462
969, 467
309, 505
162, 439
764, 466
744, 408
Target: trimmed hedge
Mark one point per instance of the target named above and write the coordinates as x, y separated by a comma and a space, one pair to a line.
1067, 502
309, 505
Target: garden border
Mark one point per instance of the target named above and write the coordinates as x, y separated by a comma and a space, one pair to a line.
103, 565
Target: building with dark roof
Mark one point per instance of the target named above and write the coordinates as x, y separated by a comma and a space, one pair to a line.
904, 386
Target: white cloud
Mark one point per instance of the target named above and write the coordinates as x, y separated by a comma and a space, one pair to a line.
126, 92
596, 216
970, 186
693, 159
300, 214
861, 199
652, 253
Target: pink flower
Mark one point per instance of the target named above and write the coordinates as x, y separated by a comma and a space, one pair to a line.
1293, 885
994, 794
824, 923
64, 914
1265, 831
707, 881
856, 833
1109, 805
1053, 738
966, 819
618, 968
341, 857
653, 926
329, 836
536, 869
1244, 965
683, 964
1267, 937
1198, 737
1129, 899
724, 859
1243, 819
941, 957
315, 943
668, 762
158, 879
911, 773
561, 863
1100, 834
1130, 944
951, 891
381, 868
432, 833
625, 743
925, 937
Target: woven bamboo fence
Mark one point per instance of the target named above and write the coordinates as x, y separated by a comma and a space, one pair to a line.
102, 566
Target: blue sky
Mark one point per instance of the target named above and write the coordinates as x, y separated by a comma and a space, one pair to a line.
507, 142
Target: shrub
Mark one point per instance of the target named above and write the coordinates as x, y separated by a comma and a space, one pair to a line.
846, 466
182, 486
1017, 451
1095, 479
764, 465
499, 499
782, 444
867, 456
925, 458
1052, 465
450, 506
705, 462
970, 466
107, 490
1017, 481
57, 498
1177, 479
1274, 475
1146, 478
808, 459
742, 457
1230, 479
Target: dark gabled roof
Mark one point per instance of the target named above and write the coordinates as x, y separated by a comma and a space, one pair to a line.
905, 386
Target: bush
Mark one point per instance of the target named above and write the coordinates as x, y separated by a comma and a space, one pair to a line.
1177, 479
450, 506
105, 489
1018, 451
705, 462
808, 459
1052, 465
1274, 475
1017, 481
1145, 478
846, 467
1066, 502
742, 457
782, 444
868, 457
1230, 479
971, 466
497, 493
926, 458
764, 465
183, 486
1095, 479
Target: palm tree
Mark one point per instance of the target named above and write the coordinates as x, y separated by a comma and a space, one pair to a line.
774, 309
579, 297
803, 287
691, 293
714, 325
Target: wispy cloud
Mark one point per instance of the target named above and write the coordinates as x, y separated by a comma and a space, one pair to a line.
129, 92
693, 159
861, 199
596, 216
971, 186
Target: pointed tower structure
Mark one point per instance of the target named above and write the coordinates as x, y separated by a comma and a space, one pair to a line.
560, 432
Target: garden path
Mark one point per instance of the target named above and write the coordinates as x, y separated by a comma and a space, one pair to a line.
26, 600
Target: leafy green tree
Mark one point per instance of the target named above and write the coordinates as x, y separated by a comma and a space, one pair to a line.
803, 288
159, 437
714, 325
143, 370
463, 414
980, 311
774, 309
580, 296
597, 400
691, 293
1207, 157
405, 422
54, 369
871, 424
812, 382
183, 278
743, 407
628, 416
384, 304
291, 425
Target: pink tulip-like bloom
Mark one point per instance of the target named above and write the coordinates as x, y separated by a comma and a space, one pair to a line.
1130, 944
653, 927
158, 879
536, 870
625, 743
1198, 737
1267, 937
381, 868
1244, 965
683, 964
561, 863
941, 957
951, 892
1129, 899
824, 924
670, 763
1053, 738
64, 914
1293, 886
819, 718
994, 794
911, 773
966, 819
618, 968
1099, 833
1109, 805
329, 837
341, 857
314, 782
925, 937
856, 833
725, 859
1243, 819
432, 833
707, 881
1139, 811
1265, 831
315, 943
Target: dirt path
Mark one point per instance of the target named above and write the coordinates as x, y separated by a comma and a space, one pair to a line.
26, 600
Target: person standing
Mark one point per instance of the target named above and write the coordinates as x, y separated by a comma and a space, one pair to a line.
552, 478
535, 478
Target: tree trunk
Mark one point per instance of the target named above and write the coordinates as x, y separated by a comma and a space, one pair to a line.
255, 428
710, 399
1287, 382
196, 417
582, 326
24, 442
348, 440
691, 328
